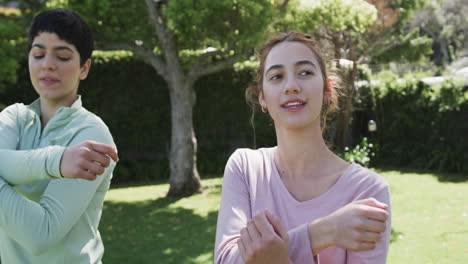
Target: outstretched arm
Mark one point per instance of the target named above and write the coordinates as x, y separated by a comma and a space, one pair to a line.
39, 226
84, 161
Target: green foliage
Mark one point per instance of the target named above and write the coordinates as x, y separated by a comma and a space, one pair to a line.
103, 57
407, 47
11, 44
219, 24
116, 20
447, 24
407, 7
354, 16
364, 72
420, 125
225, 25
363, 153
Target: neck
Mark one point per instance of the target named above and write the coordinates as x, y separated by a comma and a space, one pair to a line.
302, 151
50, 107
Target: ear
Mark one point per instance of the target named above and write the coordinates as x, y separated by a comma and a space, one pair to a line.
327, 90
261, 100
85, 69
329, 86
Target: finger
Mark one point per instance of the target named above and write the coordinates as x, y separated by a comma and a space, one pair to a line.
374, 213
105, 149
93, 167
373, 202
100, 158
364, 246
262, 224
253, 232
277, 224
373, 226
242, 250
86, 175
246, 239
370, 237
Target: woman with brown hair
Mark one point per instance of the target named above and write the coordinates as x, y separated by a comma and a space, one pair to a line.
298, 202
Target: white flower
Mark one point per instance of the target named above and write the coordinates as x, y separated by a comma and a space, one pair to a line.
139, 42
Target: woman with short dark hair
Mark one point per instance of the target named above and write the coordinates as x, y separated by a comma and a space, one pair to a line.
56, 158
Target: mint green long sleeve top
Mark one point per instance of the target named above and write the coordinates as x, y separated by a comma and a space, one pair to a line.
45, 218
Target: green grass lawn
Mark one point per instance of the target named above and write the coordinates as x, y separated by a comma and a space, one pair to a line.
141, 225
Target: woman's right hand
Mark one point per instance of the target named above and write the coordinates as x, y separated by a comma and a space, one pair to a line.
87, 160
264, 240
356, 226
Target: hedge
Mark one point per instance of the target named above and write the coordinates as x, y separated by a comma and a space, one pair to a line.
419, 125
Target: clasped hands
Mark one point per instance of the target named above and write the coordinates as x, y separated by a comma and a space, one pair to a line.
358, 226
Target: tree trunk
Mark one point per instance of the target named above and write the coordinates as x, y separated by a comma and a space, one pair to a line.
343, 136
344, 117
184, 179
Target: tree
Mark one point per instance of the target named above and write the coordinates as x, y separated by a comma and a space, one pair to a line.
447, 24
357, 32
182, 40
10, 43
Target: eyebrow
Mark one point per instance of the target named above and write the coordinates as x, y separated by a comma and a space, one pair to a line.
306, 62
302, 62
55, 48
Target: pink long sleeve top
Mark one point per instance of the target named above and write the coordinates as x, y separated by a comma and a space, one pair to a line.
252, 183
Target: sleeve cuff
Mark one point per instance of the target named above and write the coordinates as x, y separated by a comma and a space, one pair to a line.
53, 162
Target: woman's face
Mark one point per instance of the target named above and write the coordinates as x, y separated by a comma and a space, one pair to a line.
292, 86
54, 68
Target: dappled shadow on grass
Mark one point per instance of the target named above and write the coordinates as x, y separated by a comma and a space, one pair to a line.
138, 184
153, 232
441, 176
157, 182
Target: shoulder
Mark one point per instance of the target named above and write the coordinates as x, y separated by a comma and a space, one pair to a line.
17, 113
15, 110
250, 165
364, 179
93, 127
245, 157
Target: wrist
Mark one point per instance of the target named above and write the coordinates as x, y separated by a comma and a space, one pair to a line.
320, 235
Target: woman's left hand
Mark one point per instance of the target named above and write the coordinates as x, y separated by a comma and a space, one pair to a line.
264, 240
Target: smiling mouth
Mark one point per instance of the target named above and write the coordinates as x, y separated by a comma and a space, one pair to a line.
293, 104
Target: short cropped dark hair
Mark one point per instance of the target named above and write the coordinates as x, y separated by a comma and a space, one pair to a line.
68, 26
